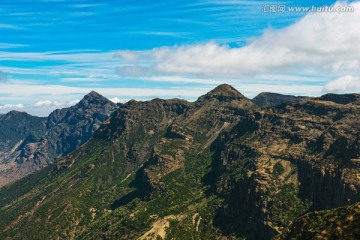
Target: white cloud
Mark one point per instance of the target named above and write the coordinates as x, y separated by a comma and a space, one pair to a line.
11, 106
115, 100
129, 56
45, 103
321, 42
11, 45
48, 103
9, 26
345, 84
83, 79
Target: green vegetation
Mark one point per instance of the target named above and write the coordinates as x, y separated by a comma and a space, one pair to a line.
278, 169
339, 223
216, 175
287, 205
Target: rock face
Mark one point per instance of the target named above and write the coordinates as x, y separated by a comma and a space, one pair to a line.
192, 132
267, 99
15, 126
71, 127
15, 129
36, 142
285, 161
217, 168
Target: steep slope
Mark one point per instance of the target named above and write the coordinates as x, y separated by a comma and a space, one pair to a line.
87, 183
71, 127
15, 128
63, 131
192, 133
339, 223
218, 168
267, 99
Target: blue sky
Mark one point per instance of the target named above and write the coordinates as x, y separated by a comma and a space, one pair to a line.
52, 52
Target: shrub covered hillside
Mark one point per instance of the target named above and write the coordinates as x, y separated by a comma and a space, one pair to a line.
218, 168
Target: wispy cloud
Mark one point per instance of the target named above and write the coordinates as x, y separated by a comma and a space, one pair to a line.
66, 56
87, 5
10, 26
167, 34
48, 103
84, 14
11, 45
60, 90
84, 79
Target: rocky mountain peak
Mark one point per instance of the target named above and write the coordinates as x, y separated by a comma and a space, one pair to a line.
94, 94
95, 98
226, 90
223, 92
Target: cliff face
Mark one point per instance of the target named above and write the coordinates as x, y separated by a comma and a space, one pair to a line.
216, 168
39, 142
279, 163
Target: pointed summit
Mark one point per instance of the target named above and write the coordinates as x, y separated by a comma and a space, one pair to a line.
92, 104
94, 95
223, 92
225, 88
94, 98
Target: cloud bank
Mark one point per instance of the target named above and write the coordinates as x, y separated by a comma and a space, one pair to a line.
11, 106
321, 43
346, 84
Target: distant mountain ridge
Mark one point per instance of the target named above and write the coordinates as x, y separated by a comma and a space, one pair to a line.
37, 142
268, 99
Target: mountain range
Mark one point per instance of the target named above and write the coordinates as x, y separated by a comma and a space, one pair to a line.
222, 167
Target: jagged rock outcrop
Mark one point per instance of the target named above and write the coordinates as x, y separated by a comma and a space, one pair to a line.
53, 137
267, 99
